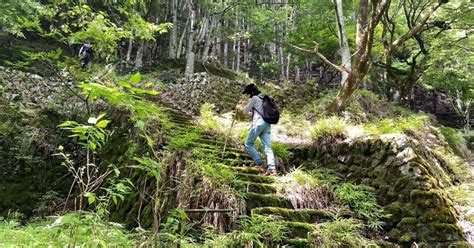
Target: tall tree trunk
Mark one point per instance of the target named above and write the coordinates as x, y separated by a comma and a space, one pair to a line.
209, 37
226, 46
343, 44
130, 47
139, 57
190, 56
181, 39
173, 42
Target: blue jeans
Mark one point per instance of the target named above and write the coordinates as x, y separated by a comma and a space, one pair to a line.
263, 131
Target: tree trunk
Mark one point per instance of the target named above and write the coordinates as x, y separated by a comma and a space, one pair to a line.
181, 39
174, 30
139, 57
343, 44
190, 56
209, 38
129, 50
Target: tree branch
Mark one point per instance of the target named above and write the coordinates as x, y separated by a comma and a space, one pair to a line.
317, 53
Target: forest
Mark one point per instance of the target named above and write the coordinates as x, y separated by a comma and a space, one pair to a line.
236, 123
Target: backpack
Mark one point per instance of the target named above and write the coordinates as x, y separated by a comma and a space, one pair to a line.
270, 114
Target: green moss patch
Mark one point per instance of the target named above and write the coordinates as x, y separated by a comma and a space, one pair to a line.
255, 200
303, 215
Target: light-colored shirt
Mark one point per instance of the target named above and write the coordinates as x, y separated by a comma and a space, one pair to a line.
255, 103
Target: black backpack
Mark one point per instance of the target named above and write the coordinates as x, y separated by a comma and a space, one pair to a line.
270, 114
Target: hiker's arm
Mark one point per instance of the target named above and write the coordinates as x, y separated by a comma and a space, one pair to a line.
80, 51
248, 108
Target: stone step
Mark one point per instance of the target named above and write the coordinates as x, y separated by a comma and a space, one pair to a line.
297, 243
261, 188
298, 229
213, 141
227, 154
256, 200
217, 147
243, 169
236, 162
298, 215
254, 178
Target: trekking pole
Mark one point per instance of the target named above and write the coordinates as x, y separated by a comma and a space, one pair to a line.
230, 129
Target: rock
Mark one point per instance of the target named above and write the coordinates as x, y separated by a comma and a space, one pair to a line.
409, 180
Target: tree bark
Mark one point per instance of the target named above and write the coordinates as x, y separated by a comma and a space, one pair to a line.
181, 39
190, 56
343, 44
139, 57
173, 42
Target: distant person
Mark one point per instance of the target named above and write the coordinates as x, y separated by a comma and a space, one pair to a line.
260, 128
86, 54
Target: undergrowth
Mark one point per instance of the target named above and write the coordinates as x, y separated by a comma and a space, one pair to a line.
361, 198
252, 231
64, 231
340, 233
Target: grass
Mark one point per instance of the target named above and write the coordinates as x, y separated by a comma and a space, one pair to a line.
361, 198
455, 140
208, 122
340, 233
252, 231
62, 231
329, 126
305, 190
401, 124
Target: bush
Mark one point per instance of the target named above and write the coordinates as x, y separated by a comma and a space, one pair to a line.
339, 233
329, 126
68, 230
455, 140
207, 117
361, 198
398, 125
252, 231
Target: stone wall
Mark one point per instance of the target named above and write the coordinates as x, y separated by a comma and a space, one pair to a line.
191, 93
409, 180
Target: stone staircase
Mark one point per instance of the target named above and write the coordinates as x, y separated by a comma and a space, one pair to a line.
260, 194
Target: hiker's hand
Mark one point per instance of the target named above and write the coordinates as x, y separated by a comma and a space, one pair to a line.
240, 105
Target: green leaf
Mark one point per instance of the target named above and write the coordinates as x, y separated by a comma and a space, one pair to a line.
136, 78
102, 123
125, 85
140, 124
90, 197
100, 116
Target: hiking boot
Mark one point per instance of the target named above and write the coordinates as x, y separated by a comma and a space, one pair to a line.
270, 172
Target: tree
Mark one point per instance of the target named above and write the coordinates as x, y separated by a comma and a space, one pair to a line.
369, 15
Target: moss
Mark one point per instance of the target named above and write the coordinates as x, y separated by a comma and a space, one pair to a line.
298, 243
402, 183
255, 178
440, 214
255, 200
242, 169
309, 216
408, 221
440, 232
459, 244
407, 238
299, 229
425, 198
261, 188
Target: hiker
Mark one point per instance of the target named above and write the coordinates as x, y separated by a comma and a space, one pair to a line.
86, 54
260, 129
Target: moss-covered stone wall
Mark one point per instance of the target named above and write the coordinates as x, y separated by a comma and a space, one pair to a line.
409, 180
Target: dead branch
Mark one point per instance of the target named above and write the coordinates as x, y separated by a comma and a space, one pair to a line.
317, 53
